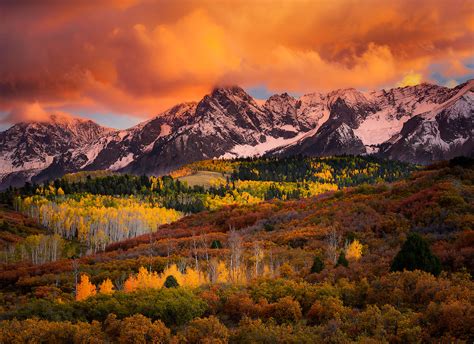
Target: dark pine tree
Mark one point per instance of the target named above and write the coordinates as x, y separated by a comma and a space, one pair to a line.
171, 282
415, 254
318, 265
216, 244
342, 260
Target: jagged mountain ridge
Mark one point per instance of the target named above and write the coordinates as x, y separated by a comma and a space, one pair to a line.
444, 132
27, 148
361, 123
117, 149
419, 124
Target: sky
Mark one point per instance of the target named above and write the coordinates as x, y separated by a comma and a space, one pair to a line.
120, 62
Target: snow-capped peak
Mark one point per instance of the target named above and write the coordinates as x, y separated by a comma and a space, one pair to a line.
415, 123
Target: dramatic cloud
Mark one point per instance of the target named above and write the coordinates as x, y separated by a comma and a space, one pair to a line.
140, 57
26, 113
411, 79
33, 112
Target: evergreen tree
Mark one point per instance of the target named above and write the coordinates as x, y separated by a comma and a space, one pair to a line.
171, 282
318, 265
342, 260
268, 226
415, 254
216, 244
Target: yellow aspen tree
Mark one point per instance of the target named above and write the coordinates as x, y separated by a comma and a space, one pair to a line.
192, 278
85, 289
354, 250
106, 287
223, 275
266, 271
143, 280
52, 190
148, 280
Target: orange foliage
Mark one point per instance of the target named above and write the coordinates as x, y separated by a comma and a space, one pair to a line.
152, 280
106, 287
85, 288
131, 284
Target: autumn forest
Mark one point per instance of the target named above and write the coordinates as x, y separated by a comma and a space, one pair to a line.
344, 249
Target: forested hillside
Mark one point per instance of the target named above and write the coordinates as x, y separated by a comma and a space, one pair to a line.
383, 262
98, 208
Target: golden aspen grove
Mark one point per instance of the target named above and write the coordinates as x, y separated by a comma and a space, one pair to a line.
94, 219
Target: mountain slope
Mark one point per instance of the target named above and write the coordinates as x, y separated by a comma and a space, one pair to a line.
120, 147
29, 147
226, 118
439, 134
361, 123
419, 124
287, 271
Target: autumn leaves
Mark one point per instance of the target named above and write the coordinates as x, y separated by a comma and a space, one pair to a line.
96, 220
218, 272
145, 279
152, 280
85, 289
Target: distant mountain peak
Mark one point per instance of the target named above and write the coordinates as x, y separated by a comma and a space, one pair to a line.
420, 124
228, 90
281, 96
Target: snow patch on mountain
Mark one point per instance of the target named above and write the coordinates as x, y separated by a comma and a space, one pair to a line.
243, 151
7, 166
378, 128
165, 130
122, 162
464, 107
270, 143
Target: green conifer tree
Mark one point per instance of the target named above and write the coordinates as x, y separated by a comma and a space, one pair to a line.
171, 282
415, 254
318, 265
342, 260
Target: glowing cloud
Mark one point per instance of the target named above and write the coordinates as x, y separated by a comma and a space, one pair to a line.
410, 79
140, 57
26, 113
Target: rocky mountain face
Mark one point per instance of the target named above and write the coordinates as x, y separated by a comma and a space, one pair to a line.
420, 124
226, 118
120, 147
363, 123
28, 148
444, 132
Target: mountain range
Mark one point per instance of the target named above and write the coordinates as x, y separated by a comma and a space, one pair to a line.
419, 124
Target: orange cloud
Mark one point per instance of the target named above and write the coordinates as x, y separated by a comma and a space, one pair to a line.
140, 57
26, 113
410, 79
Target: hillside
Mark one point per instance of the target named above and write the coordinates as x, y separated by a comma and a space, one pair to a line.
296, 271
97, 208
